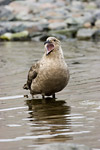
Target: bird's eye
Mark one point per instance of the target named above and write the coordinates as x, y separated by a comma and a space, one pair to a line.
54, 40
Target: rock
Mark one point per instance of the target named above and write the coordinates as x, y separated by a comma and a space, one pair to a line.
87, 25
79, 19
20, 35
2, 30
44, 36
77, 4
40, 18
18, 6
84, 34
37, 27
5, 14
57, 25
6, 36
41, 37
91, 6
5, 2
97, 23
59, 36
71, 21
24, 10
62, 146
24, 16
68, 32
18, 26
97, 35
15, 36
97, 3
97, 14
12, 26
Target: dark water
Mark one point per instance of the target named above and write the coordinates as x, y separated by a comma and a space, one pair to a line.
74, 117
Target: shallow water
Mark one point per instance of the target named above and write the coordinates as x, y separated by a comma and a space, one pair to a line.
74, 117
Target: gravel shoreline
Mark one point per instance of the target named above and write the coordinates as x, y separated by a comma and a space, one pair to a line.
38, 19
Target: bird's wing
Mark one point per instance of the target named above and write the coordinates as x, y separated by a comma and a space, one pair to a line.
32, 74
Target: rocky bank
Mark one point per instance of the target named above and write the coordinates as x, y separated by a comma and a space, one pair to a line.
38, 19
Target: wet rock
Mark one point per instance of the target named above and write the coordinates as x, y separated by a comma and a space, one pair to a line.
84, 34
5, 14
63, 146
15, 36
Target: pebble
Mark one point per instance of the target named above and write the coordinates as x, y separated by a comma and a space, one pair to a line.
40, 18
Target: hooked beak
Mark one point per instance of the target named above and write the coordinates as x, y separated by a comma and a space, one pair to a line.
46, 42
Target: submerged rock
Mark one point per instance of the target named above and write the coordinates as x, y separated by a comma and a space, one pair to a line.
63, 146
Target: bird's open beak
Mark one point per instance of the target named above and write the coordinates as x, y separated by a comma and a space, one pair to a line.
47, 42
49, 47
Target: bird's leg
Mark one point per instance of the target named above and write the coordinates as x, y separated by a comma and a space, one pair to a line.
43, 96
53, 96
32, 93
32, 96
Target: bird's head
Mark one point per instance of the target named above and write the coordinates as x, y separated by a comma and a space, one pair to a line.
51, 44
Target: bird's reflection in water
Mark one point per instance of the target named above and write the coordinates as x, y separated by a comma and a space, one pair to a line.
49, 117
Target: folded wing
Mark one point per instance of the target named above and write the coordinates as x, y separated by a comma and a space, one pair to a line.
32, 74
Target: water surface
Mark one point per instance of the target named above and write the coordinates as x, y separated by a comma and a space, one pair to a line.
74, 117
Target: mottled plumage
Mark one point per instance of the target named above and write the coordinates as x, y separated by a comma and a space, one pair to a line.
50, 74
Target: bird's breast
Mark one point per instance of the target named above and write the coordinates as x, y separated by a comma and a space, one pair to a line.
52, 77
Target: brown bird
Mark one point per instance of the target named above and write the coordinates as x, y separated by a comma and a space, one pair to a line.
50, 74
